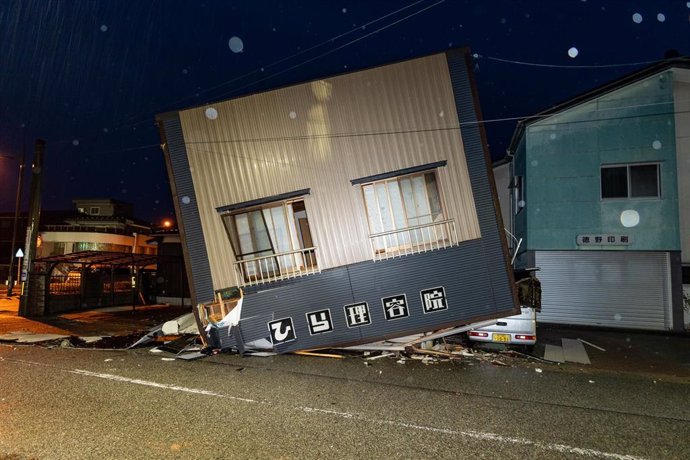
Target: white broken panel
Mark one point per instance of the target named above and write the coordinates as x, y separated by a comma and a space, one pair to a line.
574, 351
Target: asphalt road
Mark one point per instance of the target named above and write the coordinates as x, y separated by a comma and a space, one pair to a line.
72, 403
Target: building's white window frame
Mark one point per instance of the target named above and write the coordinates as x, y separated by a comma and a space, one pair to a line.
442, 208
629, 185
278, 260
94, 210
413, 216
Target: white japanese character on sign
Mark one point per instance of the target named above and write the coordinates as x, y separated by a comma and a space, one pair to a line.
434, 299
395, 307
282, 330
357, 314
319, 321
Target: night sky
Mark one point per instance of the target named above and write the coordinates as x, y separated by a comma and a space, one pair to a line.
90, 76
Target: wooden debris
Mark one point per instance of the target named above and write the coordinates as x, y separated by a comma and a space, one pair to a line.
318, 355
382, 355
432, 352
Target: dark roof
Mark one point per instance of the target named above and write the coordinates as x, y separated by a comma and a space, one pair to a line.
677, 62
107, 258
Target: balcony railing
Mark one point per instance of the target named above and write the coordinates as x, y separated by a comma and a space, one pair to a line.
274, 267
413, 240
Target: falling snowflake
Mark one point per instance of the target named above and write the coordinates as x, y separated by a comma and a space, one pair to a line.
293, 115
661, 17
344, 10
104, 28
656, 145
573, 52
186, 200
211, 113
75, 142
637, 18
236, 44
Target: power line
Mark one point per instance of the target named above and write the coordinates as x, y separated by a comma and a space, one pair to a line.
423, 130
125, 123
299, 53
337, 48
426, 130
561, 66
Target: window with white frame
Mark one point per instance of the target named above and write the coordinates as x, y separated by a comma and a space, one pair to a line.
276, 235
630, 181
403, 209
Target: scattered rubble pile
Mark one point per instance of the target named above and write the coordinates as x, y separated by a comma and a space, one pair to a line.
179, 338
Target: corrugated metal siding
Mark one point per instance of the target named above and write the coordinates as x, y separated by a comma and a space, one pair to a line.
461, 270
320, 135
494, 247
605, 288
189, 221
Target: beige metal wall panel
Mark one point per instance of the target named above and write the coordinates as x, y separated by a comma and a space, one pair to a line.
320, 135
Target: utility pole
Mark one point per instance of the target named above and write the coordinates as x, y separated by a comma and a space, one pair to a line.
17, 208
32, 229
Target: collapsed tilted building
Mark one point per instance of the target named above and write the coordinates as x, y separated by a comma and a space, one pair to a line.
345, 210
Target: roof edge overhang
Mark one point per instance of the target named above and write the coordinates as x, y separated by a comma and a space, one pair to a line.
633, 77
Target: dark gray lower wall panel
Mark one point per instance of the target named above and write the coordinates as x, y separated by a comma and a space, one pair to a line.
462, 271
188, 217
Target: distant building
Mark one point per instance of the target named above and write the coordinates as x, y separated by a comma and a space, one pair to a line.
97, 225
600, 195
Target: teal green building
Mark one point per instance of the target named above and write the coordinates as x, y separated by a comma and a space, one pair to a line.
598, 193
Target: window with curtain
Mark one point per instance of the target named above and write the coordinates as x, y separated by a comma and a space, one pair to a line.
275, 229
401, 203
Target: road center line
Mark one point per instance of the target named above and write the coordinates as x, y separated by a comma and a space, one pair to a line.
562, 448
166, 386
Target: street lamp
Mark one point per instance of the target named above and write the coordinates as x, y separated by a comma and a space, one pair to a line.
17, 205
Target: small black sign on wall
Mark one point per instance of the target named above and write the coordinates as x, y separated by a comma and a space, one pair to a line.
395, 307
282, 330
434, 299
319, 321
357, 314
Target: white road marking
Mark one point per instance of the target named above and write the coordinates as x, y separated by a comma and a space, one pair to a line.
562, 448
165, 386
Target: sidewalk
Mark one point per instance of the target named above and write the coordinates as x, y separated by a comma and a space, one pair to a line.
110, 321
612, 350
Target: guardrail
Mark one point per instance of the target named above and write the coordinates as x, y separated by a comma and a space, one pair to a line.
413, 240
274, 267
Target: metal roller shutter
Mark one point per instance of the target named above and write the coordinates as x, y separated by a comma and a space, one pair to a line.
605, 288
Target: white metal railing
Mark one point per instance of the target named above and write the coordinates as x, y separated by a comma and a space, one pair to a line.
274, 267
413, 240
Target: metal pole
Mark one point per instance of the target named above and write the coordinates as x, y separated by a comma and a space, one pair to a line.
32, 231
17, 206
